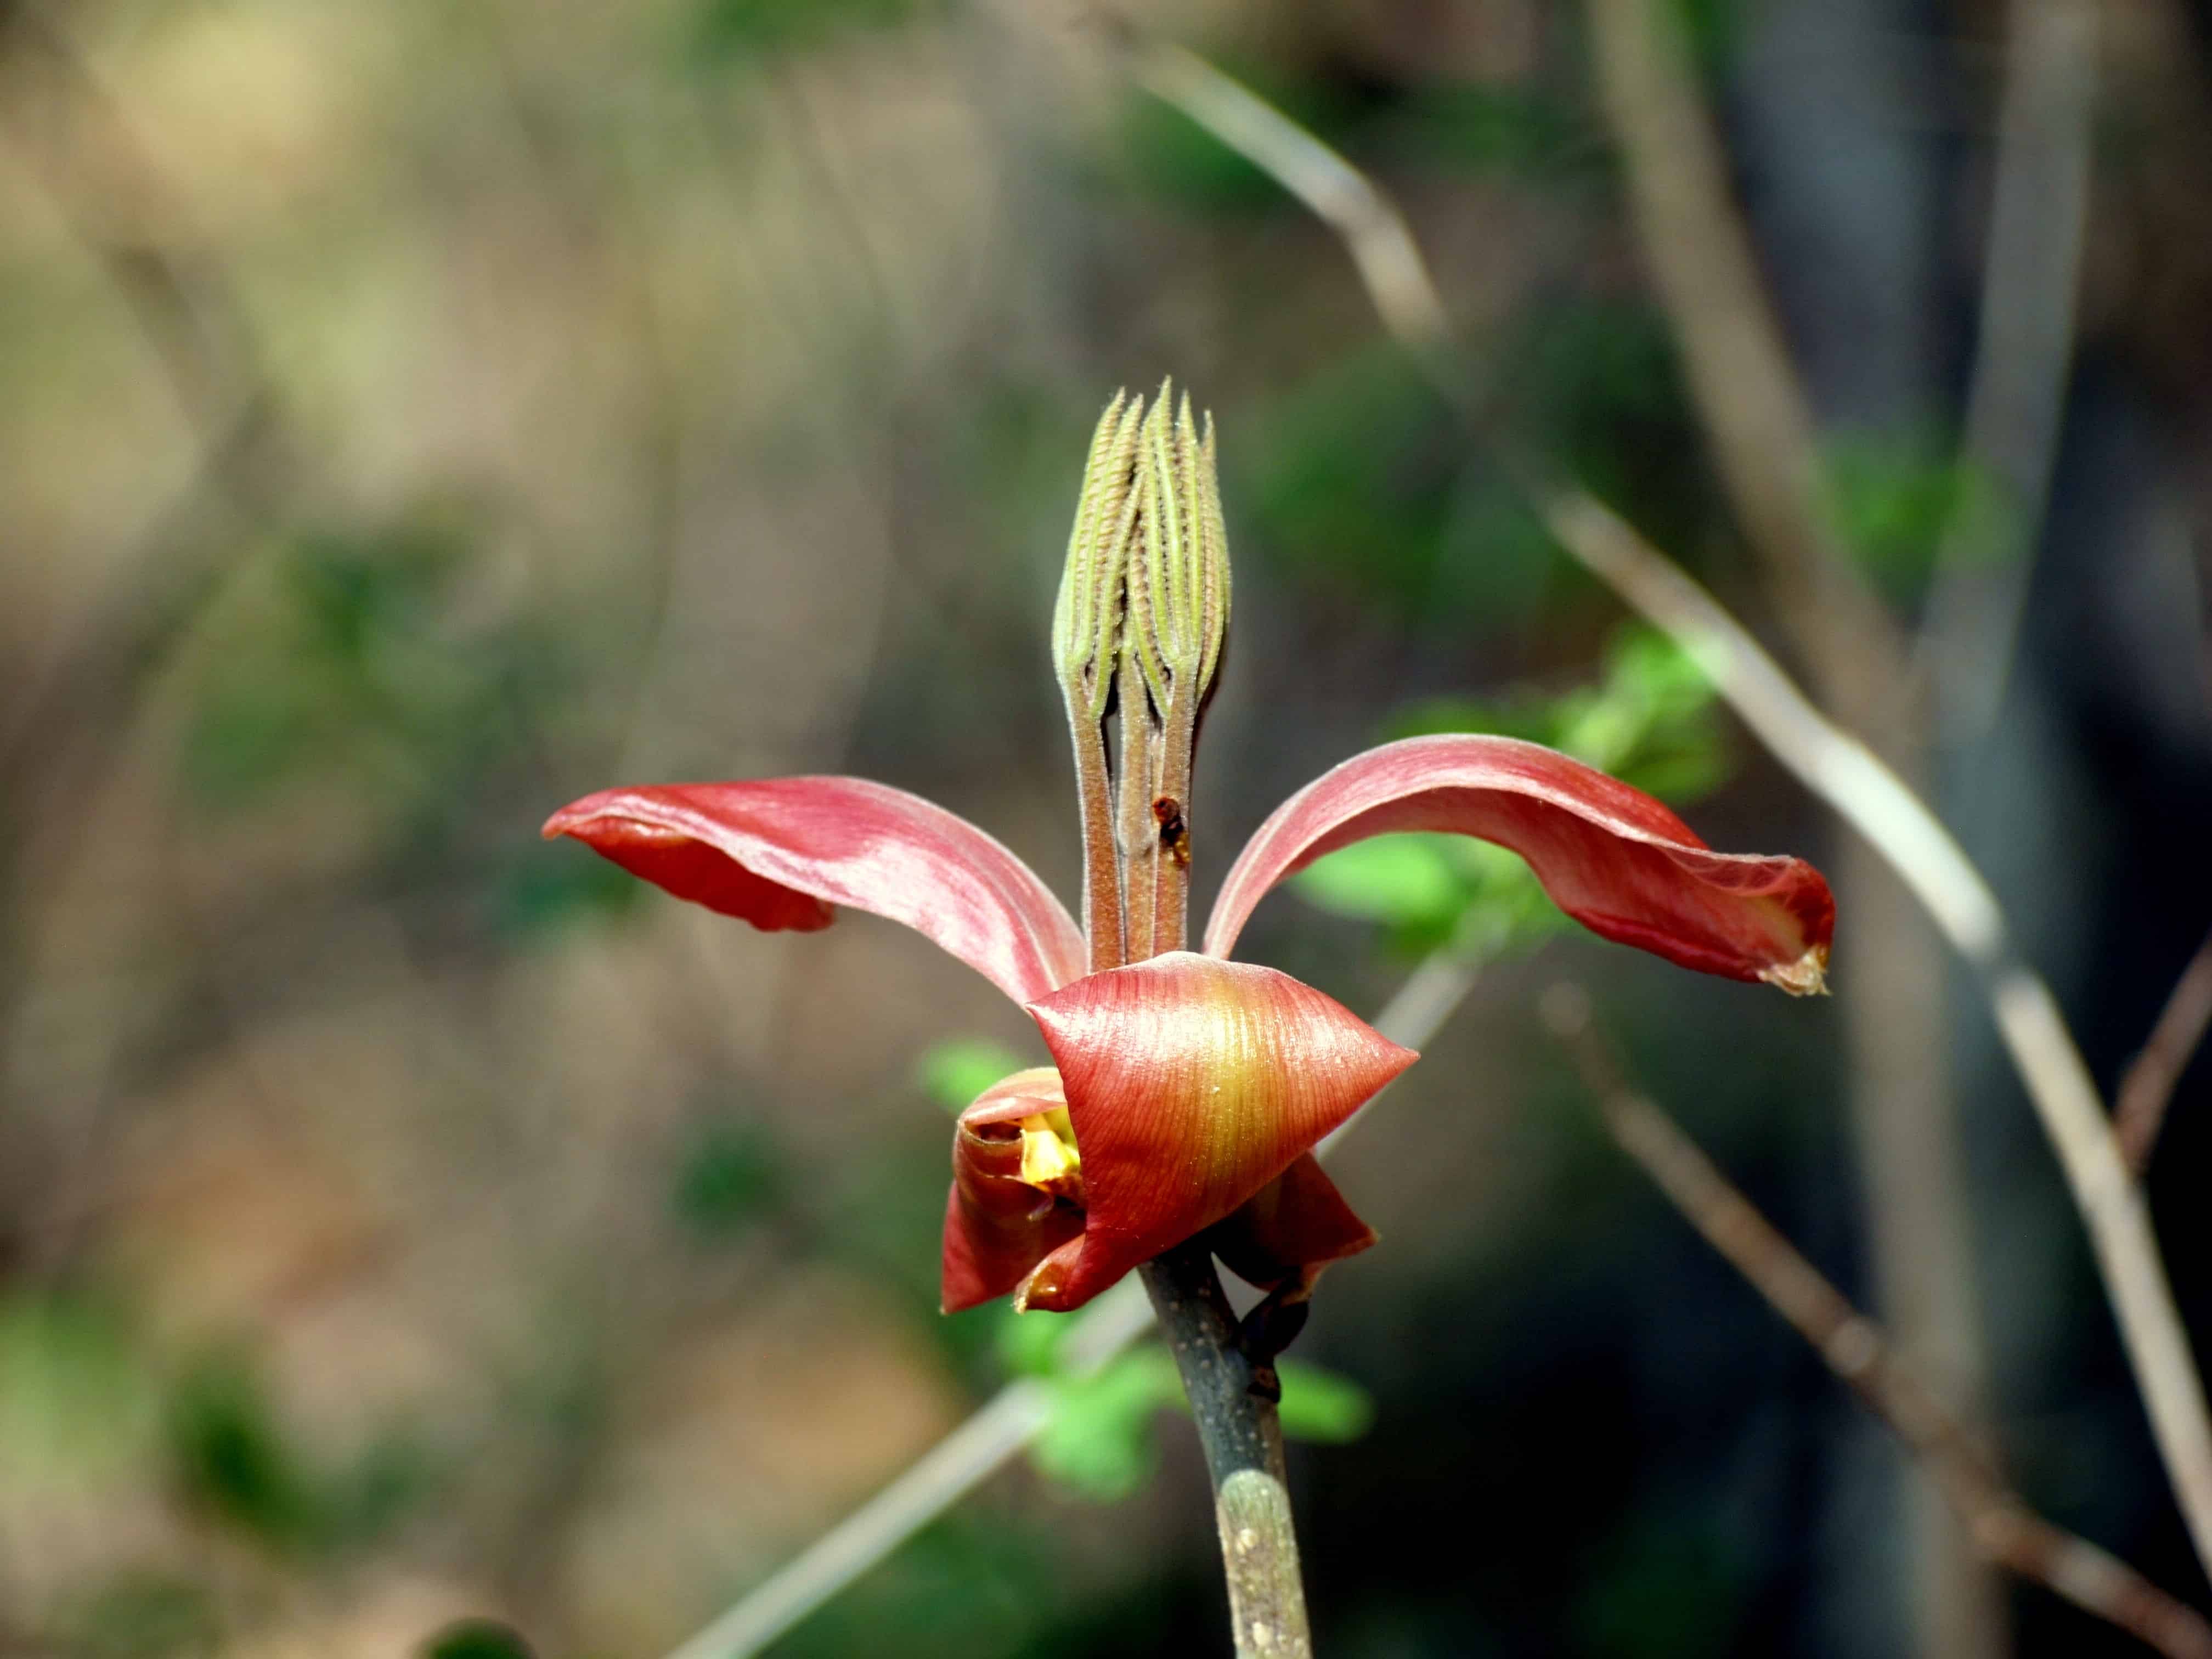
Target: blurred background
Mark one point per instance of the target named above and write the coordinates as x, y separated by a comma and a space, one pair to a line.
417, 415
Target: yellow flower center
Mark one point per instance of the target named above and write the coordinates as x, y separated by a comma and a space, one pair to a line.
1049, 1152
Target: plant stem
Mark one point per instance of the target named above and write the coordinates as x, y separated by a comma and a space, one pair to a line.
1137, 834
1101, 864
2150, 1080
1233, 1402
1170, 820
1232, 1393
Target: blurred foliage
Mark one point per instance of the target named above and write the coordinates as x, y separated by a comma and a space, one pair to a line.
1671, 1586
379, 685
143, 1616
1170, 159
235, 1460
961, 1587
1098, 1439
1716, 30
1900, 500
729, 1174
727, 29
1361, 481
232, 1457
342, 658
1651, 722
1358, 481
1516, 131
1321, 1406
476, 1638
74, 1394
1595, 380
954, 1071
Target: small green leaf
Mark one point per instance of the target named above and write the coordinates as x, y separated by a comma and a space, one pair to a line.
952, 1073
1098, 1439
1405, 880
1322, 1406
1029, 1344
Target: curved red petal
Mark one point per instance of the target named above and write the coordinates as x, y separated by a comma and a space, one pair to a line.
1610, 856
778, 852
998, 1227
1294, 1225
1017, 1095
1192, 1083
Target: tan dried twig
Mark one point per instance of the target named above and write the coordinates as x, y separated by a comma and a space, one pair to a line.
2004, 1529
1835, 765
2149, 1084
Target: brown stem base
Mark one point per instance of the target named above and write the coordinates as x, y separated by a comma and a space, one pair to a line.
1232, 1400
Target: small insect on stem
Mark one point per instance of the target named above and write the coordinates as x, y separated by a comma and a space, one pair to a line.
1175, 834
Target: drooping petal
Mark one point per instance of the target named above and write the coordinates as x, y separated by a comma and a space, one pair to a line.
1294, 1226
997, 1227
1192, 1083
778, 852
1610, 856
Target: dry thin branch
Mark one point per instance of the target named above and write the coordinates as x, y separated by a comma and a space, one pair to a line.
2022, 356
1012, 1417
2004, 1529
943, 1475
1838, 768
1764, 439
1733, 352
2149, 1083
1869, 797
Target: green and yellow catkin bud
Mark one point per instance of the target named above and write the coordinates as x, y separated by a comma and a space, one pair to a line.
1087, 621
1178, 584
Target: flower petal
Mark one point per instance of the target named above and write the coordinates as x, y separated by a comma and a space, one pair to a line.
1192, 1083
998, 1227
1294, 1225
1612, 858
778, 852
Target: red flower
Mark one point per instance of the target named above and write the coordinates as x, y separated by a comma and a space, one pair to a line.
1186, 1090
1190, 1088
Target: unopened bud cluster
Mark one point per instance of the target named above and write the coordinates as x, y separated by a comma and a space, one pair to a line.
1147, 567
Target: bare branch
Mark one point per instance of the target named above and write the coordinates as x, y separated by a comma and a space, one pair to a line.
1375, 233
1732, 348
1842, 771
2149, 1083
1765, 442
2025, 349
2004, 1529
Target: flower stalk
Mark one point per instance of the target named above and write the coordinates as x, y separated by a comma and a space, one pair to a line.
1233, 1396
1188, 1092
1136, 831
1086, 649
1170, 552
